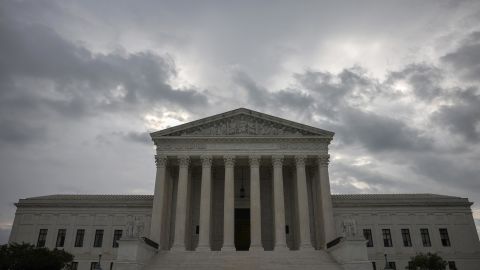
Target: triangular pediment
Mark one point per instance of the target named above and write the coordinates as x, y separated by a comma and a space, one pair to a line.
242, 122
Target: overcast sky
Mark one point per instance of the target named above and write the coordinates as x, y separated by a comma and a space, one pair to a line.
83, 82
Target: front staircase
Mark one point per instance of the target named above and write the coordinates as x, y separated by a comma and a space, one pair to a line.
242, 260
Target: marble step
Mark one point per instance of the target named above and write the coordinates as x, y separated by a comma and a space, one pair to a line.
243, 260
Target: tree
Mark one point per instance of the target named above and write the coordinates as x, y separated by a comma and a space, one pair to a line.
27, 257
429, 261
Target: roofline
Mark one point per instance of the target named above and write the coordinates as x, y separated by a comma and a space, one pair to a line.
339, 201
208, 119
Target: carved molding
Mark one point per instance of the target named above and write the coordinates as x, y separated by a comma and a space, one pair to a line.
254, 160
300, 160
183, 161
323, 160
218, 144
277, 160
229, 161
241, 125
160, 161
206, 160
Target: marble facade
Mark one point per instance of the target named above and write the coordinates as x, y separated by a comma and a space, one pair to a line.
241, 190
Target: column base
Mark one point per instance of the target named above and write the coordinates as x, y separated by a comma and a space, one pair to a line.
203, 248
178, 248
306, 247
281, 248
256, 248
228, 248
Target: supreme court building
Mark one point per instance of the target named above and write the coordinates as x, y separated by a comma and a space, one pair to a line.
243, 189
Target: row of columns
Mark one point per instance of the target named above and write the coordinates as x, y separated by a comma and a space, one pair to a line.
229, 200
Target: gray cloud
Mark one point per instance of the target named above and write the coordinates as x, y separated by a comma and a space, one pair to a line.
425, 80
85, 81
381, 133
466, 58
463, 115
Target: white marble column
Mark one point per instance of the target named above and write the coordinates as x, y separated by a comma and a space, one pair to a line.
303, 212
255, 206
279, 204
181, 209
157, 222
205, 203
326, 200
229, 206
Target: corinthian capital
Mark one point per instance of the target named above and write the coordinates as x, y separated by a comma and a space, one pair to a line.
300, 160
277, 161
183, 161
323, 160
160, 161
206, 160
254, 161
229, 161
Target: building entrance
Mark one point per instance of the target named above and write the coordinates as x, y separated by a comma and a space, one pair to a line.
242, 228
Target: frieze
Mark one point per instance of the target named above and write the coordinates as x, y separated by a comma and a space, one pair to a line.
241, 125
260, 146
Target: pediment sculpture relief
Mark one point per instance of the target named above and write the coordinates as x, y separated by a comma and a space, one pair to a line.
243, 125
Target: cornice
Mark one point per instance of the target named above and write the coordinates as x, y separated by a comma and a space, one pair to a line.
400, 200
339, 201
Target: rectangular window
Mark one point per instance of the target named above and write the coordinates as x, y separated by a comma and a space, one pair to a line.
374, 266
94, 266
392, 265
42, 237
61, 238
79, 238
444, 237
407, 241
74, 266
387, 238
111, 266
410, 265
117, 234
425, 238
367, 233
451, 265
97, 242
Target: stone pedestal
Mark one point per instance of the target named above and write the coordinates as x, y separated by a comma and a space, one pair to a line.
351, 254
133, 254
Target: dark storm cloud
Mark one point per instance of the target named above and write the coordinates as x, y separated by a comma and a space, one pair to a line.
336, 96
442, 170
466, 58
463, 115
44, 77
380, 133
282, 99
138, 137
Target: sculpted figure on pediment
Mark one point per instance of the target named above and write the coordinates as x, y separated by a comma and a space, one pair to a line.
241, 125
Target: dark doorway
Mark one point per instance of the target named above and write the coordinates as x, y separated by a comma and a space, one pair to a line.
242, 229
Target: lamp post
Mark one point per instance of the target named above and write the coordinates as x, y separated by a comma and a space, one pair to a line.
99, 267
387, 267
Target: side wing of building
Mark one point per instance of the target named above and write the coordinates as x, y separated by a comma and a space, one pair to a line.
402, 225
399, 225
84, 225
